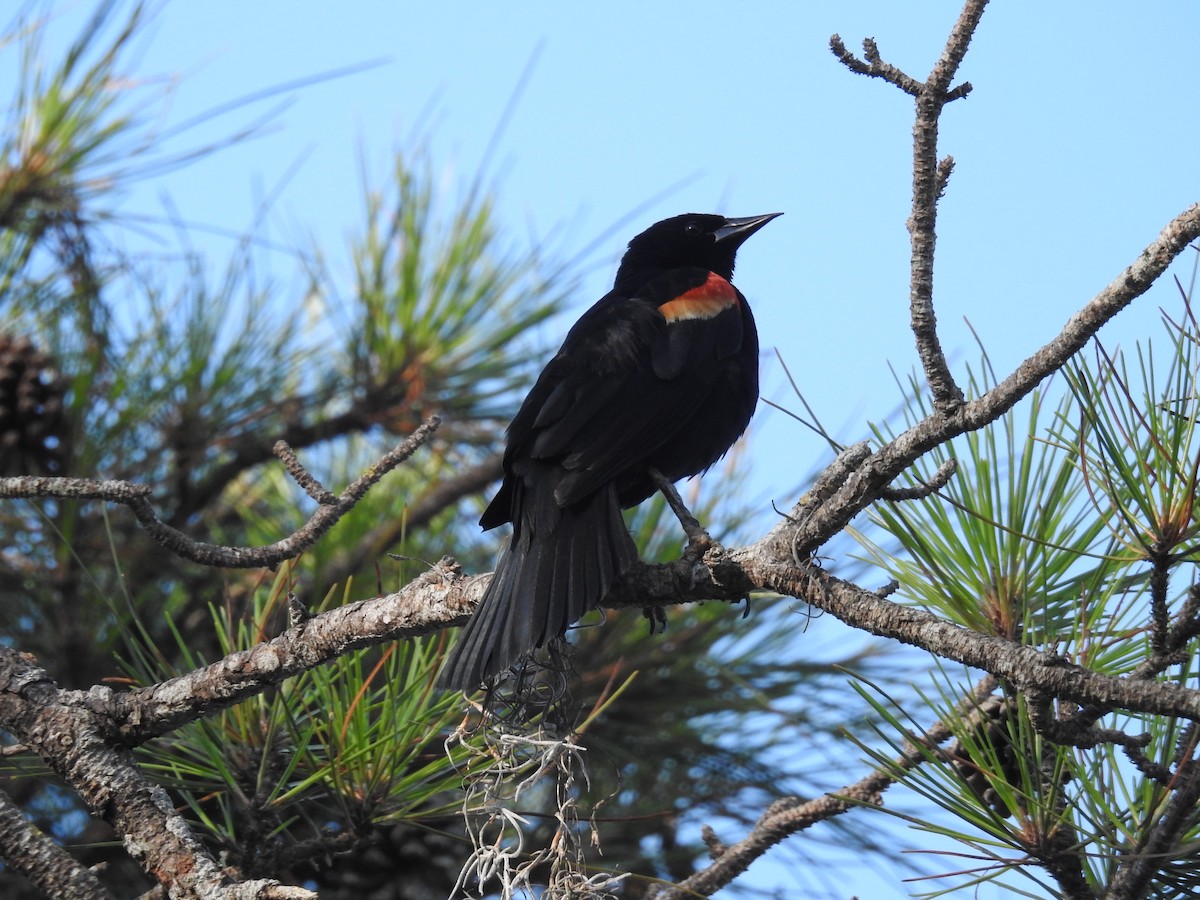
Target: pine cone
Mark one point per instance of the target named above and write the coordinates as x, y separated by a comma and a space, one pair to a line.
32, 426
991, 729
399, 862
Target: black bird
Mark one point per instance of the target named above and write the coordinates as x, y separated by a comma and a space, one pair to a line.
663, 373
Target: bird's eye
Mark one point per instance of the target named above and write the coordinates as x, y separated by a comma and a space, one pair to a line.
693, 229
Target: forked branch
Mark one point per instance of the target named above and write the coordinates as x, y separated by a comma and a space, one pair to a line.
929, 182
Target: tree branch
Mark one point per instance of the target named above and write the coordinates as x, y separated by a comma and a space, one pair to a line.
789, 816
1023, 666
438, 598
929, 182
939, 480
136, 497
70, 739
443, 596
873, 65
49, 868
865, 484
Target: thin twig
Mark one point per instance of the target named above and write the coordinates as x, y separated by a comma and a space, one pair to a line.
873, 66
929, 182
918, 492
307, 481
944, 170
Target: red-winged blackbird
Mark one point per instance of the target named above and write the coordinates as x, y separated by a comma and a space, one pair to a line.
663, 373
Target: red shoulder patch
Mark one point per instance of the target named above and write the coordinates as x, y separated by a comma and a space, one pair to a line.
704, 302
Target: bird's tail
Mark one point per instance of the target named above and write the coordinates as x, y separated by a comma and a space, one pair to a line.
558, 565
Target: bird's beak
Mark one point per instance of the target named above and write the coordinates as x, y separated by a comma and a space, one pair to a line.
734, 231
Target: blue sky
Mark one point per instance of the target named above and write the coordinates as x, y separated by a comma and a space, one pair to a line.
1076, 146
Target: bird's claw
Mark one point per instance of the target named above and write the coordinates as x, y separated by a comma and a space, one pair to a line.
657, 617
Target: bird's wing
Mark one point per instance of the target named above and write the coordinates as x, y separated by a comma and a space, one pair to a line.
630, 375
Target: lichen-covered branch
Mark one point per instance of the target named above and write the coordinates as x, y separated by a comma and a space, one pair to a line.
440, 597
49, 868
74, 742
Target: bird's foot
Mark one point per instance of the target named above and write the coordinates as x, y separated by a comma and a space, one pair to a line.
699, 540
657, 615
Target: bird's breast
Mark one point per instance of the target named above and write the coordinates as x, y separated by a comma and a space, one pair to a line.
704, 302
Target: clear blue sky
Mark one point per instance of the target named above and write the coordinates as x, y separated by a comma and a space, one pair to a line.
1076, 146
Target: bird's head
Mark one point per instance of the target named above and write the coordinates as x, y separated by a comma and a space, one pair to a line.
693, 240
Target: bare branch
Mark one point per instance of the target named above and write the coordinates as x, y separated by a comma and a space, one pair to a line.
827, 483
944, 170
873, 66
956, 47
302, 476
834, 476
786, 817
929, 182
861, 488
136, 497
1026, 668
